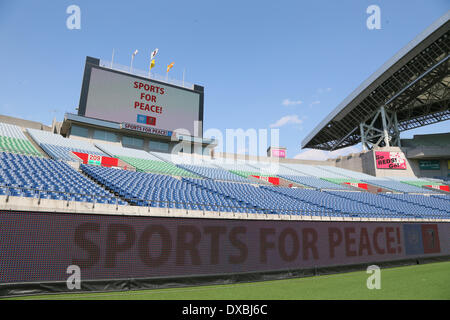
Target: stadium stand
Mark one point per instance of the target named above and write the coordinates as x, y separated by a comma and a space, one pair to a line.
224, 185
198, 167
397, 186
274, 168
442, 196
178, 158
399, 208
147, 189
314, 182
442, 179
144, 161
119, 151
316, 177
12, 139
259, 199
432, 202
237, 166
415, 181
28, 176
197, 183
337, 205
310, 170
213, 173
345, 173
60, 148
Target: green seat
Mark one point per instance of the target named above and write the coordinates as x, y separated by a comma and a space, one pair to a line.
154, 166
421, 183
246, 174
341, 180
15, 145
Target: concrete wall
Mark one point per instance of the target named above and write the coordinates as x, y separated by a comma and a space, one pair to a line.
442, 172
365, 162
361, 162
270, 159
74, 207
436, 139
24, 123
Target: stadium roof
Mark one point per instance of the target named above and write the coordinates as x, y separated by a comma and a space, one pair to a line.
414, 83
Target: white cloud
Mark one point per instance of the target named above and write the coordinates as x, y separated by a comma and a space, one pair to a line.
314, 102
323, 90
286, 120
315, 154
288, 102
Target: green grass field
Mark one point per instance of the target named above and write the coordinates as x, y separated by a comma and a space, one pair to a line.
427, 281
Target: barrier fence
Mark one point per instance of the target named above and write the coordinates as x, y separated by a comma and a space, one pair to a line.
146, 74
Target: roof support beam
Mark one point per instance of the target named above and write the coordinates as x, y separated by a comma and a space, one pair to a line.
413, 89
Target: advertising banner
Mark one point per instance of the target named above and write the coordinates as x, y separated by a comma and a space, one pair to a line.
94, 159
439, 187
146, 129
390, 160
429, 165
97, 159
272, 180
279, 153
36, 246
358, 185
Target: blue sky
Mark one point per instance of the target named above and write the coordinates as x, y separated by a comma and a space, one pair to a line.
264, 64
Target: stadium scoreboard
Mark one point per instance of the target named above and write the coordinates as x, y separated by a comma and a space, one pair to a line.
138, 102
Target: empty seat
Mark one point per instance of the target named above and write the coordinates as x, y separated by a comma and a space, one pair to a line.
29, 176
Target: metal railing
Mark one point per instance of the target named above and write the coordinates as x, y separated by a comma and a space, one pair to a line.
38, 193
146, 74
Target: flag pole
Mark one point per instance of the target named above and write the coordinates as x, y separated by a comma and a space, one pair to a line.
132, 58
152, 64
184, 71
150, 69
112, 58
152, 59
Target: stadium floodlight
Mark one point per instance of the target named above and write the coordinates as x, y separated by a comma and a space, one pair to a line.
132, 58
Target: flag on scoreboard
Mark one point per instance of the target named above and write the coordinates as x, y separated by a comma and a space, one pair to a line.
146, 119
152, 64
421, 238
154, 52
170, 66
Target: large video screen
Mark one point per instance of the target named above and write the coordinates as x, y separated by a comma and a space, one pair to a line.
122, 98
39, 247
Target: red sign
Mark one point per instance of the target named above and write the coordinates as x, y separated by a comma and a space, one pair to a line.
272, 180
279, 153
390, 160
357, 185
94, 159
97, 160
151, 121
443, 188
